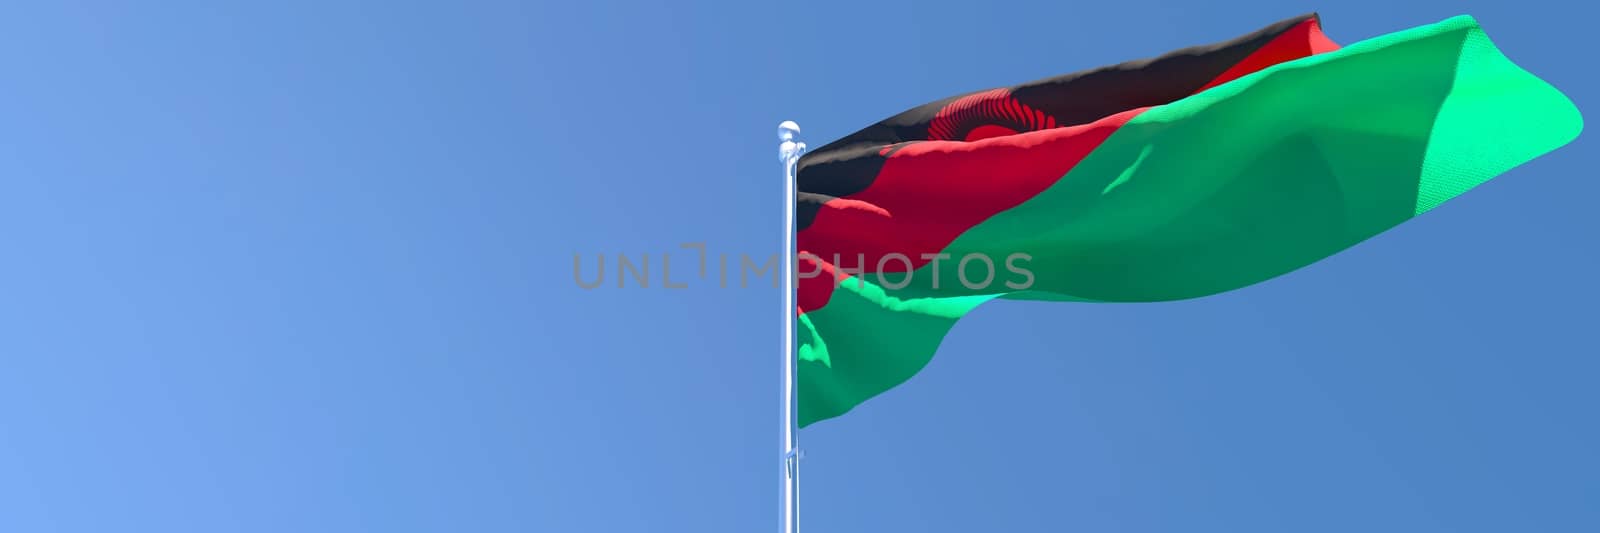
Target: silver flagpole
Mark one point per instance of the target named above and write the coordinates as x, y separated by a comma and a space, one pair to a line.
789, 151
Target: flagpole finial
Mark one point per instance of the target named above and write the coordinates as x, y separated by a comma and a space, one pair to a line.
790, 148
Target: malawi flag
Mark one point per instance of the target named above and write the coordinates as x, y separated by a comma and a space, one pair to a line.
1197, 172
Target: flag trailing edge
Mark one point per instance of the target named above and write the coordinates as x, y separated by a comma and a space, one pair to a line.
1198, 172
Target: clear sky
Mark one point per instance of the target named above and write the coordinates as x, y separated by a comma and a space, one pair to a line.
307, 266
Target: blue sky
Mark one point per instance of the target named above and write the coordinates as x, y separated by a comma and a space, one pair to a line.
306, 266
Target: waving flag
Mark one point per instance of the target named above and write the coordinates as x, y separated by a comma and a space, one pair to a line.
1198, 172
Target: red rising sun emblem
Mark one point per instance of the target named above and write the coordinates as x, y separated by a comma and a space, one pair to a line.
986, 114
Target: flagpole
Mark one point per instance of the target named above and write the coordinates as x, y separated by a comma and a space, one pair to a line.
789, 151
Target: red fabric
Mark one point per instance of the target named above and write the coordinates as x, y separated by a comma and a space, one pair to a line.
986, 114
930, 192
1303, 40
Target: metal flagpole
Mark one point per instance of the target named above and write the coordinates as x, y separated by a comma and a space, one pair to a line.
789, 151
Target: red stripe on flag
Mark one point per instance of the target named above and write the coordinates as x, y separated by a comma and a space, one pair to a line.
1303, 40
928, 193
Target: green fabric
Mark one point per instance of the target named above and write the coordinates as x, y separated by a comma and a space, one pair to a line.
1234, 186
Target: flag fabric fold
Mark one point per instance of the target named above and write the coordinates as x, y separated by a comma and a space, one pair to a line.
1198, 172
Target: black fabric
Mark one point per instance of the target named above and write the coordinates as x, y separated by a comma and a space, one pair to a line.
849, 165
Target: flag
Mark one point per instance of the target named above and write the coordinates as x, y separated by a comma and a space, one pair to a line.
1197, 172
